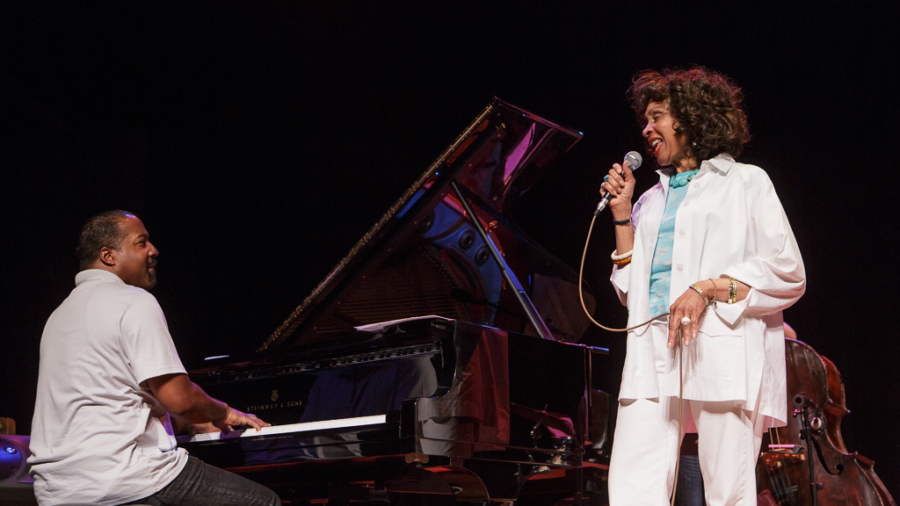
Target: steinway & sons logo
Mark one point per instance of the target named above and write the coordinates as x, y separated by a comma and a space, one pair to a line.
256, 408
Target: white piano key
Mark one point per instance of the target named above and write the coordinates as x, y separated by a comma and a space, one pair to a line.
288, 428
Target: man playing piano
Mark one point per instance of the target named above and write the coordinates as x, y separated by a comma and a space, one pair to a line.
109, 374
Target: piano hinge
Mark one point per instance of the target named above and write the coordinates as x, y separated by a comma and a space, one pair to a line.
416, 458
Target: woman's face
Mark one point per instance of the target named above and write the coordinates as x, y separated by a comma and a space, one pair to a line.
664, 142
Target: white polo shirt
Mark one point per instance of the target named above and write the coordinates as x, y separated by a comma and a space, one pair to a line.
95, 435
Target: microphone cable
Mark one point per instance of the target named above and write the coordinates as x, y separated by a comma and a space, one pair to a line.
581, 290
678, 344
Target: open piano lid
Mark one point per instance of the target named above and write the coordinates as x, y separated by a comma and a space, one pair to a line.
501, 154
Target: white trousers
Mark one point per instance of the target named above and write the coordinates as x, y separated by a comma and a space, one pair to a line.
647, 438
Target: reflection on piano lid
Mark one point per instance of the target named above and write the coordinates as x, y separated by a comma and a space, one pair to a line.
423, 256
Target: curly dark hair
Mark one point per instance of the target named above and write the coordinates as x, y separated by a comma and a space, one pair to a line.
707, 105
100, 231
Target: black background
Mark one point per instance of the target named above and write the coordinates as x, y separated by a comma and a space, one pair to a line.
259, 140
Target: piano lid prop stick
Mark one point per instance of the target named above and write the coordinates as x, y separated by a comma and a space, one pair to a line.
533, 316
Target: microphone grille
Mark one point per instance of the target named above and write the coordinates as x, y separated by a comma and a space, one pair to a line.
634, 159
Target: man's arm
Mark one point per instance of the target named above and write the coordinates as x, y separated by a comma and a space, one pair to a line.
186, 401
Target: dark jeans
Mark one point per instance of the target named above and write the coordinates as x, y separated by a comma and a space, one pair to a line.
201, 484
690, 482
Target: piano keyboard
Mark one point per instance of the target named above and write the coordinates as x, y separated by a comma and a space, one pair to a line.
290, 428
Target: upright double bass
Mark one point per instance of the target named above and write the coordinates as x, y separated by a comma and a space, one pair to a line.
806, 462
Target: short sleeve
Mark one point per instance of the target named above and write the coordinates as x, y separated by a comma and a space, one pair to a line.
146, 339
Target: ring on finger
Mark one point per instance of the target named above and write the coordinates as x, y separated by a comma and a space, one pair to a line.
686, 320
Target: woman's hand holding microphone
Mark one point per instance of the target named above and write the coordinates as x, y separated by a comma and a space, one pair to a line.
621, 190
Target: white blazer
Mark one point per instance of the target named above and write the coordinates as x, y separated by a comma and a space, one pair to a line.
729, 223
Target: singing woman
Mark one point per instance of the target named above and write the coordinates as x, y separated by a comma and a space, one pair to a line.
710, 244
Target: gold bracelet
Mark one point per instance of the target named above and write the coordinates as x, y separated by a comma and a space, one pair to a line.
698, 290
715, 290
624, 261
732, 290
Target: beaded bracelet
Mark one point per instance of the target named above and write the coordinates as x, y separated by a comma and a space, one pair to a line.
732, 290
698, 290
615, 256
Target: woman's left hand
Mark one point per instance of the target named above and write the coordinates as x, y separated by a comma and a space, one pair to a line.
690, 305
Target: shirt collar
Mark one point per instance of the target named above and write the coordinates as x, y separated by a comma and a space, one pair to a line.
722, 163
96, 275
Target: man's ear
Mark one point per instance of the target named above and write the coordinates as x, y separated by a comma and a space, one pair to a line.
108, 256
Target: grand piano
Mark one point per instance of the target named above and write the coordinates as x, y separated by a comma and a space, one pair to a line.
439, 359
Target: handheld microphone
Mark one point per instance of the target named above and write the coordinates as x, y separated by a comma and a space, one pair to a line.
634, 161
